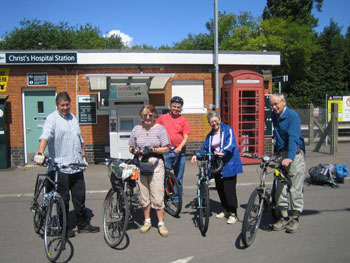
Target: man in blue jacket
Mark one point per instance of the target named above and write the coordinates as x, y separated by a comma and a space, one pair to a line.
290, 145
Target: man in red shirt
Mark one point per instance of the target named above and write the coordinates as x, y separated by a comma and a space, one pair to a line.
178, 130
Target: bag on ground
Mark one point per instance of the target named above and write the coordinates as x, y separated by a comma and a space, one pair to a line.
341, 172
323, 174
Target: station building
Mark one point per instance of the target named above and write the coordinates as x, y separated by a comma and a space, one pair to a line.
108, 88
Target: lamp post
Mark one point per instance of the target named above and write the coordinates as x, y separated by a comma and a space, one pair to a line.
216, 55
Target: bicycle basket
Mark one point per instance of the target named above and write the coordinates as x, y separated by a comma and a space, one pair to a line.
117, 170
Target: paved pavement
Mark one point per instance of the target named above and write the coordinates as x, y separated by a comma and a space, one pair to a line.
323, 236
18, 181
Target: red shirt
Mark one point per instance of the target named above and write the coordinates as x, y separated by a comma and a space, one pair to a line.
176, 127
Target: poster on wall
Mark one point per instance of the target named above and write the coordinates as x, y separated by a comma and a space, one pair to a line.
343, 107
87, 109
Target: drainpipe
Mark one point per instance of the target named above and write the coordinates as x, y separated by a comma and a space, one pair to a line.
216, 56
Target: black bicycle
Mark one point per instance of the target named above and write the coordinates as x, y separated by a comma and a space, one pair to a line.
120, 199
49, 209
207, 162
262, 197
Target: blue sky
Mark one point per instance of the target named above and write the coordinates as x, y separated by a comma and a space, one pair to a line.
152, 22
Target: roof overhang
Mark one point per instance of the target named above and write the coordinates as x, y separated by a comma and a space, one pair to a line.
100, 82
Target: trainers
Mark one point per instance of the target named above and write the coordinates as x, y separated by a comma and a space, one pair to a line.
280, 224
292, 226
222, 215
146, 226
232, 219
88, 229
163, 231
70, 233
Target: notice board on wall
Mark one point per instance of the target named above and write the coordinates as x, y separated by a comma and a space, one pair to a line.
87, 109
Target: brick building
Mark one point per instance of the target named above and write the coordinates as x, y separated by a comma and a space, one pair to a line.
108, 88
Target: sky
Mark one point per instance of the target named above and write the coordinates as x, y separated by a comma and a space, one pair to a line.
152, 22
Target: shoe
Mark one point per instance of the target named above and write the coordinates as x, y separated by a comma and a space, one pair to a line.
223, 215
292, 226
146, 226
70, 233
280, 224
232, 219
88, 229
163, 231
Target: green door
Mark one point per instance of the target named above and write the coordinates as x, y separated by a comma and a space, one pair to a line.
38, 105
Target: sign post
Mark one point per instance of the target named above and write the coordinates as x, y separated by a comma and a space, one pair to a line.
279, 79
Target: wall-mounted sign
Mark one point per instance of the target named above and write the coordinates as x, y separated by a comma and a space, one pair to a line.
130, 91
40, 58
4, 78
87, 109
343, 107
37, 79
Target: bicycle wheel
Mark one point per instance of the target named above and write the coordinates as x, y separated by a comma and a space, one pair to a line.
37, 208
203, 208
171, 185
252, 217
55, 228
115, 216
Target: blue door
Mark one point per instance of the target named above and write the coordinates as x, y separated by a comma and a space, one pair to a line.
37, 106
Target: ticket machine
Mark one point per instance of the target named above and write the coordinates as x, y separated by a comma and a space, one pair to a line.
125, 103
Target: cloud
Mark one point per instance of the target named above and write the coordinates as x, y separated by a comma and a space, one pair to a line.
126, 39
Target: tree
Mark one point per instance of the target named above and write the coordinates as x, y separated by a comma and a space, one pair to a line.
236, 32
297, 44
329, 69
292, 10
36, 35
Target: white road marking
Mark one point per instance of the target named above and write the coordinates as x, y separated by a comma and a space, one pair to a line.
183, 260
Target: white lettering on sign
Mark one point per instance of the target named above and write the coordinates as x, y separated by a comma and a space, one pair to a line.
248, 81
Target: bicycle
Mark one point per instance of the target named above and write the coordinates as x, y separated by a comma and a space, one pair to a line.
207, 162
120, 199
262, 197
49, 209
172, 195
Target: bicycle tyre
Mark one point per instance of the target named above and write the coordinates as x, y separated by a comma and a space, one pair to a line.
38, 210
252, 217
55, 228
170, 184
203, 208
115, 216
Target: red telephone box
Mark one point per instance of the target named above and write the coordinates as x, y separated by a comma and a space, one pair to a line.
243, 109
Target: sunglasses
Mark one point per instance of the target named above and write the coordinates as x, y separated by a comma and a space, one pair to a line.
145, 115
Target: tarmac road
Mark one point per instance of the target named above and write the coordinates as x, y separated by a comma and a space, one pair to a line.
323, 237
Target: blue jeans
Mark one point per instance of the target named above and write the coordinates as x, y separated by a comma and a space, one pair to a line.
176, 162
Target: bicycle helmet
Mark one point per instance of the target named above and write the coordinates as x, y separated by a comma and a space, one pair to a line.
177, 99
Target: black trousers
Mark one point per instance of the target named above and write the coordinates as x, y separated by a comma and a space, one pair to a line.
226, 188
76, 184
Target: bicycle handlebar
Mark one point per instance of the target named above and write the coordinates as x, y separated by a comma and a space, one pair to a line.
74, 166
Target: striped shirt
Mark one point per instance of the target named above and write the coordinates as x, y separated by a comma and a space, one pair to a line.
157, 136
64, 139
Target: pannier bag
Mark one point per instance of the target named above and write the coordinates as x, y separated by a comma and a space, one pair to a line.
323, 174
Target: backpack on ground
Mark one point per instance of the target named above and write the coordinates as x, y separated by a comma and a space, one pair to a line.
341, 172
323, 174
